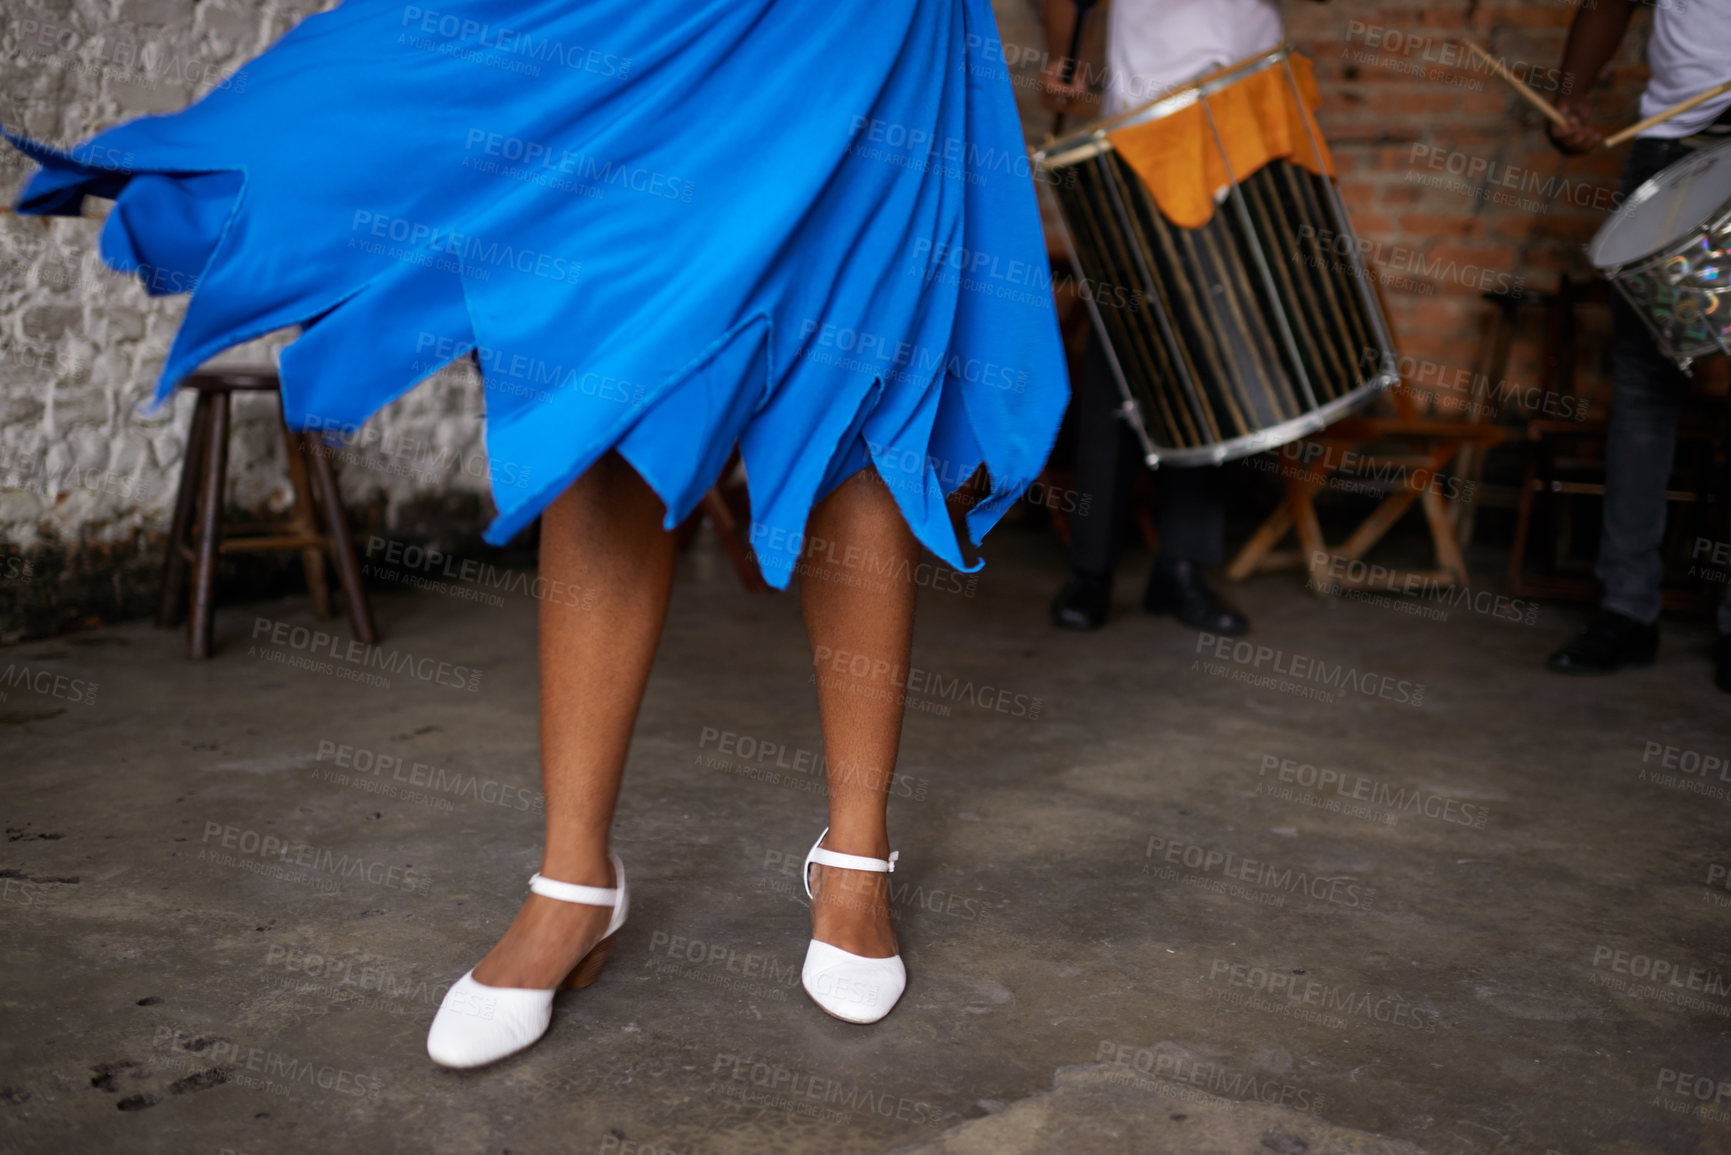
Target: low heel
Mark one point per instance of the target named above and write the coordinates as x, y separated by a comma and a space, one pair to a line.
589, 969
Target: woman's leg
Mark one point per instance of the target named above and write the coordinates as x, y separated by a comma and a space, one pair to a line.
858, 593
603, 548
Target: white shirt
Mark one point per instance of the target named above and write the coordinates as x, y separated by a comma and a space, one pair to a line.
1689, 52
1155, 46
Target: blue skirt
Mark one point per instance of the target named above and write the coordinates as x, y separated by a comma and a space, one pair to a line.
807, 229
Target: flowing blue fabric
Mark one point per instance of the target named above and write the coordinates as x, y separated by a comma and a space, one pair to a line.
807, 229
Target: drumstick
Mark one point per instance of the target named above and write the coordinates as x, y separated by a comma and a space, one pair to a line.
1533, 98
1639, 127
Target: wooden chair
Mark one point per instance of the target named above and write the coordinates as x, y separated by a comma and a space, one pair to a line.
1559, 350
1565, 462
198, 536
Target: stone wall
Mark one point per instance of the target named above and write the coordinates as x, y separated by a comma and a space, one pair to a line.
87, 473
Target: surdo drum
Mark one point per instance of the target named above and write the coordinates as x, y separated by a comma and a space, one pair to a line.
1219, 266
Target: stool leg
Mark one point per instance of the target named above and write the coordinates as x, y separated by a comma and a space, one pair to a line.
342, 549
1443, 540
199, 628
1298, 496
171, 594
306, 522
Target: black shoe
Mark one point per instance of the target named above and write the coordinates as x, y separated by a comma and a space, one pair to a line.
1610, 642
1178, 588
1722, 670
1082, 603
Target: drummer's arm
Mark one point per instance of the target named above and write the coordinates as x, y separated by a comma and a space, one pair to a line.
1059, 18
1593, 38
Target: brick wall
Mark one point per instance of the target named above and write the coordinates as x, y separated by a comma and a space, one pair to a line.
1443, 166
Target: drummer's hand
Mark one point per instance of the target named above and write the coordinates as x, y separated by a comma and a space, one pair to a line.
1055, 93
1579, 136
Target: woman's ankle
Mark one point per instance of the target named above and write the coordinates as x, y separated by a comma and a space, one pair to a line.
868, 841
853, 911
584, 867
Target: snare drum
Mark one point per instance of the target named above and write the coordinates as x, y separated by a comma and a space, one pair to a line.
1217, 261
1667, 249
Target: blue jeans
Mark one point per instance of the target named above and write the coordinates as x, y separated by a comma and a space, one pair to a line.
1649, 391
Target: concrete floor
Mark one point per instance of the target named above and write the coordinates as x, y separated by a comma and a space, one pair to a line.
1125, 932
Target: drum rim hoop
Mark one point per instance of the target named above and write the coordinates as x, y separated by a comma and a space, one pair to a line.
1275, 436
1648, 189
1082, 143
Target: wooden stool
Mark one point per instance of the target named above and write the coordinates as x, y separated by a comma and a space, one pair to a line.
727, 506
198, 535
1427, 446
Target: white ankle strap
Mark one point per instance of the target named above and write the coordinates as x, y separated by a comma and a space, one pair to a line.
847, 861
573, 892
855, 861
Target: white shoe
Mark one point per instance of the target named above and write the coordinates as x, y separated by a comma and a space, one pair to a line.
847, 986
479, 1024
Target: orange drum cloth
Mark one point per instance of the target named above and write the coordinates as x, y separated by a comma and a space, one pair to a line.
1259, 120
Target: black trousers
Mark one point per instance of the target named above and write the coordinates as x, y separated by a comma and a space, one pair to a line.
1189, 512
